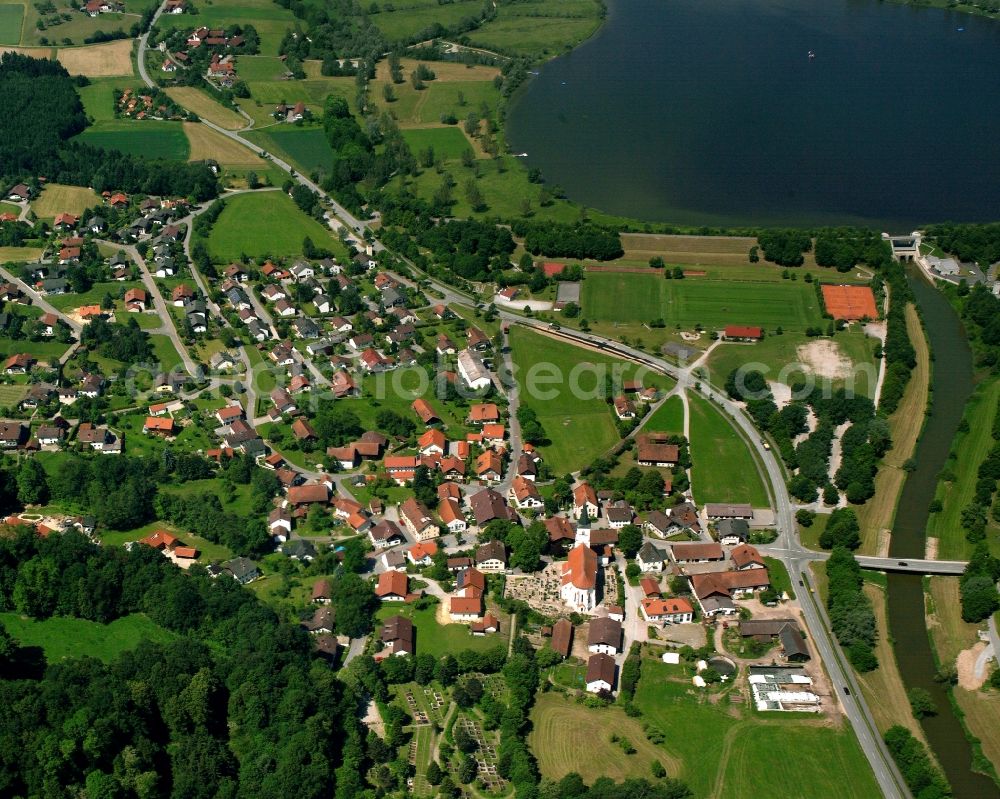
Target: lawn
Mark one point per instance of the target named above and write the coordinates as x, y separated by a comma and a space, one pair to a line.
564, 384
150, 139
93, 296
264, 224
307, 149
668, 418
566, 736
724, 749
40, 349
64, 637
57, 198
205, 106
778, 574
208, 552
440, 639
971, 449
629, 297
10, 395
724, 469
446, 143
781, 359
165, 352
396, 391
11, 17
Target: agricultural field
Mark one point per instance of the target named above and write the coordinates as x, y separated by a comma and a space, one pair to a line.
57, 198
627, 297
668, 418
441, 639
969, 450
561, 730
580, 428
539, 28
448, 142
413, 17
11, 17
205, 106
64, 637
99, 60
239, 230
151, 138
206, 143
307, 149
846, 359
270, 20
719, 749
724, 469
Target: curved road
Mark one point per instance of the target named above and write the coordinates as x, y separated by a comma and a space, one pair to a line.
795, 557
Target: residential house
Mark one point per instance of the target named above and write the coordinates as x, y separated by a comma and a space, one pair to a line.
243, 570
491, 557
483, 413
524, 494
604, 635
675, 610
432, 442
393, 586
585, 502
746, 557
386, 534
397, 637
488, 505
651, 558
452, 517
422, 553
489, 467
418, 520
600, 674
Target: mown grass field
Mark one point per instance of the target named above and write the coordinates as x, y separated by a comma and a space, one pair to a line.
307, 149
93, 296
777, 356
11, 17
448, 143
723, 468
441, 639
625, 297
577, 421
165, 352
877, 514
539, 27
151, 139
263, 224
970, 450
718, 749
44, 350
982, 717
8, 254
62, 637
668, 418
562, 731
205, 106
57, 198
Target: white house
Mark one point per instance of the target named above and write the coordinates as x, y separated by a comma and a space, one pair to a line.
605, 636
651, 558
600, 673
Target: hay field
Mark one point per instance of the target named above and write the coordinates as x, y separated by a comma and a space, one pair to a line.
98, 60
208, 143
204, 106
57, 198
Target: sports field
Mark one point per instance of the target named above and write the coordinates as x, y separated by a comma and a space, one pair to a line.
307, 149
58, 198
98, 60
206, 107
151, 139
63, 637
206, 143
627, 297
723, 468
558, 381
11, 17
266, 223
448, 142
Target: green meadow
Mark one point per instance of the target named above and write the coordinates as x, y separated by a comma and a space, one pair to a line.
63, 637
151, 138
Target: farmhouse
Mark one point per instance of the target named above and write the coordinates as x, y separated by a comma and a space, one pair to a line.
473, 370
604, 635
491, 557
653, 452
696, 552
600, 673
675, 610
742, 333
722, 510
488, 505
397, 637
650, 558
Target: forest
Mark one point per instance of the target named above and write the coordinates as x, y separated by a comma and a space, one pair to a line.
234, 706
569, 241
40, 111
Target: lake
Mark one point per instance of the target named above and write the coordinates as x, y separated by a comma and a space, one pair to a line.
712, 112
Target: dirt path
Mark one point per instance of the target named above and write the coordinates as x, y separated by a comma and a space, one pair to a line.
971, 673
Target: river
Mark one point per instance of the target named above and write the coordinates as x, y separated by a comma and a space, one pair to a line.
951, 386
711, 112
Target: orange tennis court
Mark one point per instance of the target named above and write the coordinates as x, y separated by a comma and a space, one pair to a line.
849, 302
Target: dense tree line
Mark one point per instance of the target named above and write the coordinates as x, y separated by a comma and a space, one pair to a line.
569, 241
234, 706
851, 616
978, 243
785, 247
842, 530
900, 357
978, 585
471, 249
127, 343
40, 111
844, 248
923, 778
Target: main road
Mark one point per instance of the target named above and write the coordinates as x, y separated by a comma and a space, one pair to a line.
795, 557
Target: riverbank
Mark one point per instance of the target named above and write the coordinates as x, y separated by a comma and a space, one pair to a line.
950, 5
